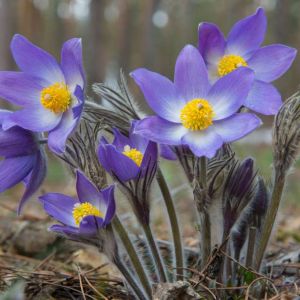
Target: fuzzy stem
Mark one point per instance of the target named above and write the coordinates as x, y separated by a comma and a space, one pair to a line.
132, 253
155, 252
269, 221
204, 218
129, 278
250, 247
179, 256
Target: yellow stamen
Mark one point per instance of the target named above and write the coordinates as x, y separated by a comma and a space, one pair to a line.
197, 114
85, 209
229, 63
133, 154
56, 97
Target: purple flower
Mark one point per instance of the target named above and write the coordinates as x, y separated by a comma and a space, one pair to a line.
242, 48
127, 157
24, 160
191, 111
92, 210
50, 94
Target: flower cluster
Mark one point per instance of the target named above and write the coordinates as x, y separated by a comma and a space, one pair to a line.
217, 90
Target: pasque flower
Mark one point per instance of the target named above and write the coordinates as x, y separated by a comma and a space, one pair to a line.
24, 160
242, 48
50, 94
92, 210
127, 157
191, 111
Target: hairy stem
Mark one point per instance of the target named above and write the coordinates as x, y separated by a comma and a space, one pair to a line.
129, 278
250, 247
204, 218
179, 256
155, 252
269, 220
132, 253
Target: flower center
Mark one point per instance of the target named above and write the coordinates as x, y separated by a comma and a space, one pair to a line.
56, 97
82, 210
133, 154
197, 114
229, 63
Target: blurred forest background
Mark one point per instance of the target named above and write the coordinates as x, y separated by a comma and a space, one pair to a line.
134, 33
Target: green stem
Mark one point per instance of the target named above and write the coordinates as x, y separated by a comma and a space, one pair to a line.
129, 278
179, 256
203, 172
155, 252
251, 246
269, 221
132, 253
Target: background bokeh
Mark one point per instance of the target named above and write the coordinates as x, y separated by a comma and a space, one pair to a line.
133, 33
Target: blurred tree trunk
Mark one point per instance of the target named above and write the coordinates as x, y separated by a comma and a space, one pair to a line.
97, 42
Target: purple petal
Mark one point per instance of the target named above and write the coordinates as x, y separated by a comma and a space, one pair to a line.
35, 61
90, 225
86, 190
20, 88
229, 93
138, 141
67, 231
263, 98
110, 203
4, 114
161, 131
60, 207
71, 63
191, 78
247, 34
17, 141
120, 140
203, 143
103, 156
150, 156
120, 165
160, 94
237, 126
166, 152
211, 42
14, 170
35, 118
58, 136
36, 179
270, 62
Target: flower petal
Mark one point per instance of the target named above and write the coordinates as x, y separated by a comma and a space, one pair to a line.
203, 143
211, 42
58, 136
119, 164
270, 62
167, 152
90, 225
60, 207
237, 126
160, 93
161, 131
110, 203
191, 78
20, 88
120, 140
14, 170
86, 190
36, 179
247, 34
71, 63
150, 156
229, 93
35, 118
263, 98
17, 141
35, 61
67, 231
